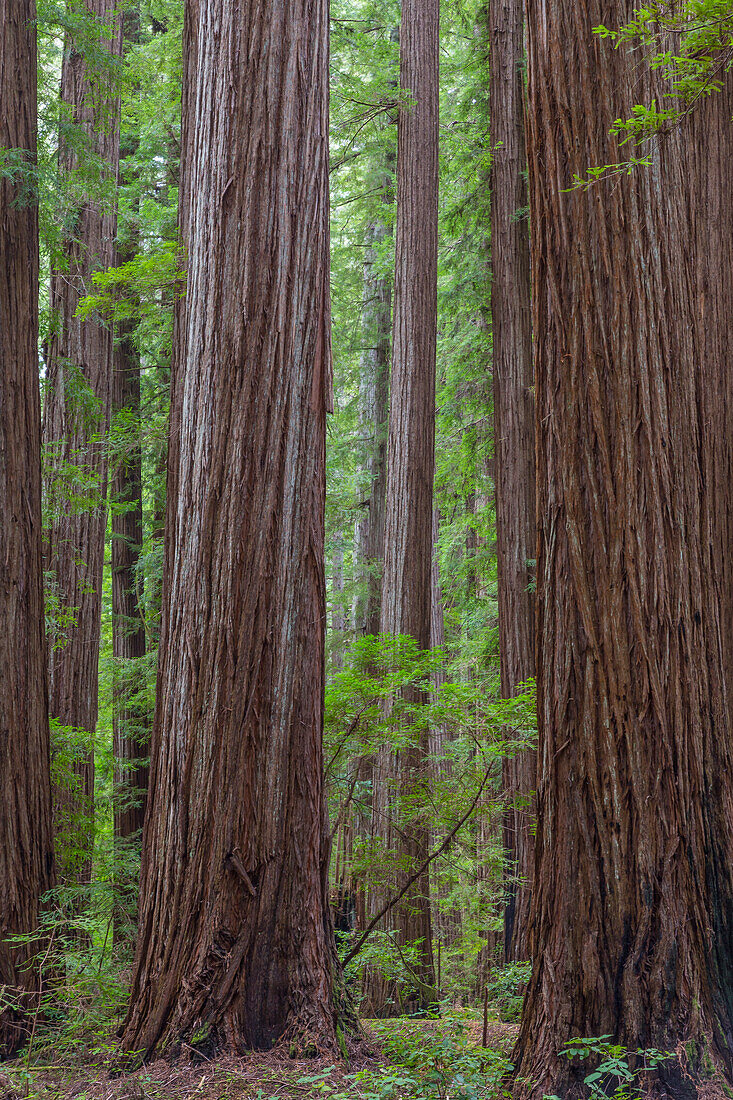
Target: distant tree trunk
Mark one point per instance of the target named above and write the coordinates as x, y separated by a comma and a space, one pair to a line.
75, 424
410, 467
127, 624
437, 629
338, 618
514, 445
376, 333
130, 717
26, 841
632, 933
235, 945
447, 922
373, 387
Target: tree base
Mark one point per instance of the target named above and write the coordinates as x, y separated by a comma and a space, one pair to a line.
693, 1071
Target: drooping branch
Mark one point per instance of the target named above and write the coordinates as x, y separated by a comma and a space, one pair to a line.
416, 875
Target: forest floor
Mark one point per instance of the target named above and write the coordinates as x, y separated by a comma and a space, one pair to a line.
404, 1059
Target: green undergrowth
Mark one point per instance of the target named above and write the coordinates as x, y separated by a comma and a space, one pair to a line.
434, 1059
412, 1059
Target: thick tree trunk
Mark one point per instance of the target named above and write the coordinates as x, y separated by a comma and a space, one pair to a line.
75, 423
235, 944
632, 933
514, 445
26, 843
410, 467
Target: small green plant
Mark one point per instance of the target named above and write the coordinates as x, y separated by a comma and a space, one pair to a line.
619, 1072
506, 990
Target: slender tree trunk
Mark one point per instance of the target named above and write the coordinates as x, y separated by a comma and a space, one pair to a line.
338, 617
411, 458
514, 440
235, 945
373, 387
446, 921
75, 424
632, 932
26, 842
376, 331
130, 716
437, 632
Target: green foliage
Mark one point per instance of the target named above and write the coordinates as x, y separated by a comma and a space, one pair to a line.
434, 1060
691, 46
506, 989
388, 695
619, 1072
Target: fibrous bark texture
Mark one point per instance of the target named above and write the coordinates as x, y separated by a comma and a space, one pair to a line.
410, 463
514, 443
632, 933
75, 423
235, 943
26, 845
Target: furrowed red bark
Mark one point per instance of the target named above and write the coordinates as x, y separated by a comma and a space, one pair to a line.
406, 582
75, 423
514, 443
632, 933
26, 841
235, 944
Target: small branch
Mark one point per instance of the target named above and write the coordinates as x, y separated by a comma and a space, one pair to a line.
342, 812
413, 878
352, 728
36, 1013
241, 870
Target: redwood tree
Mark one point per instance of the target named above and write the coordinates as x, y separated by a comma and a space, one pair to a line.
632, 933
130, 716
235, 943
26, 847
376, 329
406, 585
514, 444
75, 422
373, 387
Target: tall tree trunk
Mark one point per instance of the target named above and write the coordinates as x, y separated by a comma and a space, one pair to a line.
130, 716
411, 448
376, 333
447, 921
338, 617
26, 842
514, 445
373, 386
632, 932
235, 944
75, 423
